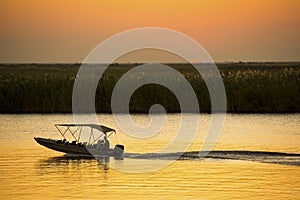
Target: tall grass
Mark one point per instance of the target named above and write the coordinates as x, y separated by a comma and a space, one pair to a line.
250, 87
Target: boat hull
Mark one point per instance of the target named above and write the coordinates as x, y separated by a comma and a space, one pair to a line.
76, 149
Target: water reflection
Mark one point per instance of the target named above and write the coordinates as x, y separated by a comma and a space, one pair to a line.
235, 170
78, 163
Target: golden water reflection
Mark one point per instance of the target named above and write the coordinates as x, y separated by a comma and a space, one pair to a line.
29, 171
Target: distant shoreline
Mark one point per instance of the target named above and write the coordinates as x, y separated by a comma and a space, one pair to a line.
143, 113
251, 87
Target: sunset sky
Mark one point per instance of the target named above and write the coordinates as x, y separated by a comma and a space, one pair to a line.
230, 30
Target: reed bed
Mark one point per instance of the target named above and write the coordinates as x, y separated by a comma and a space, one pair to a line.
250, 88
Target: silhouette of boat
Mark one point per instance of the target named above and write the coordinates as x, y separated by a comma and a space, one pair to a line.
97, 144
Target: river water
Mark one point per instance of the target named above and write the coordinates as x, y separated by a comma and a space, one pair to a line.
257, 156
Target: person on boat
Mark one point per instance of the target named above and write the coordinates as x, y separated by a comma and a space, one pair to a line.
105, 148
100, 144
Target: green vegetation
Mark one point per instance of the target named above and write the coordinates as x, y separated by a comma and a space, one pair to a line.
250, 87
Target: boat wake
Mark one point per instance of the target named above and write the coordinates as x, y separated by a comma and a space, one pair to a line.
291, 159
255, 156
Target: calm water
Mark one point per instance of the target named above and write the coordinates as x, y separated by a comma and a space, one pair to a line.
234, 170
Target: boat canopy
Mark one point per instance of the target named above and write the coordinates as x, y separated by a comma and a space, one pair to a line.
103, 129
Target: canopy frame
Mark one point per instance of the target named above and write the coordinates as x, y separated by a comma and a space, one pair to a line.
92, 139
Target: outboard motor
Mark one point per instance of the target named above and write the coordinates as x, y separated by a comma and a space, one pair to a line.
119, 150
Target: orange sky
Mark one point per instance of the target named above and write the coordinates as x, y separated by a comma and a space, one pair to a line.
230, 30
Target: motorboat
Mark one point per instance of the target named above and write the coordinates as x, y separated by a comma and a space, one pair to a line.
96, 140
